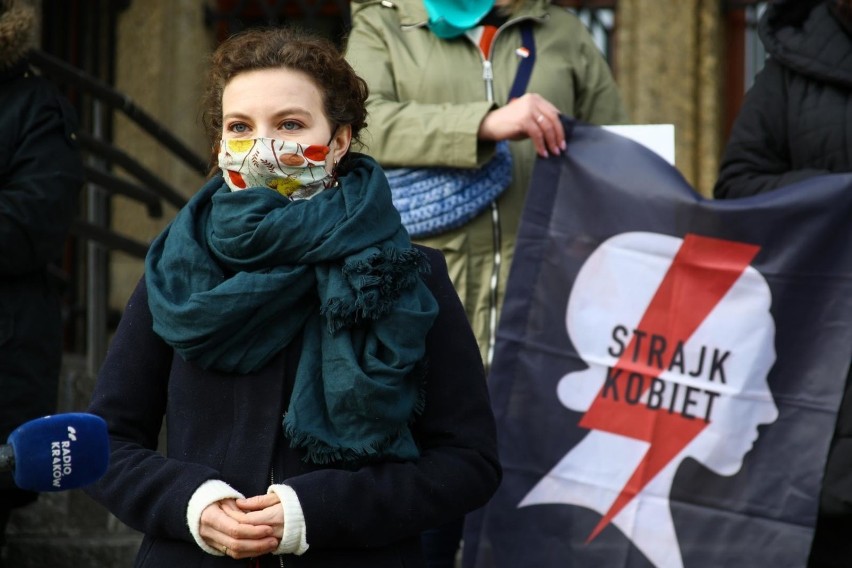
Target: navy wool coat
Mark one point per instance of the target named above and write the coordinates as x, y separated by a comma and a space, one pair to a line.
226, 426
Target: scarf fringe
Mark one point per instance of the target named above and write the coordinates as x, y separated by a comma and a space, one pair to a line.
318, 451
378, 281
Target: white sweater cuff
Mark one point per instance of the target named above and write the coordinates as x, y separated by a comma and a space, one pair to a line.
207, 493
294, 540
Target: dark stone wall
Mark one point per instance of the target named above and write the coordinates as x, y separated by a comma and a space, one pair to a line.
68, 530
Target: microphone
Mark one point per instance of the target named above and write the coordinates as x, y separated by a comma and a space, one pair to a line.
57, 452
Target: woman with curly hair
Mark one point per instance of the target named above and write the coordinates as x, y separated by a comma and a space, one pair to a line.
324, 394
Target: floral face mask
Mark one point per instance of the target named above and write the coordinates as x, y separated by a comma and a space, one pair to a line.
292, 169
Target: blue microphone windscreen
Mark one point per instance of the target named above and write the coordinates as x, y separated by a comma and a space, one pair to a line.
60, 452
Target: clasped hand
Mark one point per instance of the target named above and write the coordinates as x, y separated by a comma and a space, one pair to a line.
243, 528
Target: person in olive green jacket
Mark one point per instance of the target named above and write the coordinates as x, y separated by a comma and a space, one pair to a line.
433, 103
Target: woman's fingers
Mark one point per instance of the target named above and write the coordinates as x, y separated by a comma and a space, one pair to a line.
234, 538
215, 518
545, 127
231, 509
258, 502
530, 116
264, 510
239, 549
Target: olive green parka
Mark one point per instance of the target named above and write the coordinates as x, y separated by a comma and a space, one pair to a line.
428, 97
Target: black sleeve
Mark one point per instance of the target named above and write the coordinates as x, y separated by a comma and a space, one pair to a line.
41, 178
757, 156
143, 488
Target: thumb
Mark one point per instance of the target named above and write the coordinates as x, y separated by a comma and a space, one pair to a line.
258, 502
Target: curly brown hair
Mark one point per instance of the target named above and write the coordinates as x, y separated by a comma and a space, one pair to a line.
344, 92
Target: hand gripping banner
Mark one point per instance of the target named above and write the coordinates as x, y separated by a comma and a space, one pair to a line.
668, 368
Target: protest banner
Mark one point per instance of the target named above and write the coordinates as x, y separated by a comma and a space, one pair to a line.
668, 368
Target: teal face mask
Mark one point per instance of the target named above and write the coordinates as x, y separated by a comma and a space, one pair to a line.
452, 18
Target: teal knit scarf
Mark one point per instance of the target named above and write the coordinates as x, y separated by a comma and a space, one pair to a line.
239, 275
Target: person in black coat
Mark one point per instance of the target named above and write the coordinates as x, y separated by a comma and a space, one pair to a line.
796, 123
41, 173
794, 120
323, 392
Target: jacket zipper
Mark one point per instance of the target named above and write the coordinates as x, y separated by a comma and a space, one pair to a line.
488, 77
496, 233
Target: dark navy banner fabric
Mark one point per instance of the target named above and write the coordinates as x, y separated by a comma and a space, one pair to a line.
668, 368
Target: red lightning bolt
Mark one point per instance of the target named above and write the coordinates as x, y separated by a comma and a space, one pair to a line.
702, 272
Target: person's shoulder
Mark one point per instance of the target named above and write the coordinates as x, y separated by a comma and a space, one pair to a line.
408, 12
23, 81
358, 5
546, 10
437, 280
437, 272
26, 96
22, 76
29, 97
555, 14
44, 89
564, 24
433, 256
138, 299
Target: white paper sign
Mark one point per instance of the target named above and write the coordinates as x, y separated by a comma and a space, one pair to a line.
657, 137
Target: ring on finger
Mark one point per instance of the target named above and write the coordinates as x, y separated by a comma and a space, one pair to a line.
225, 550
540, 118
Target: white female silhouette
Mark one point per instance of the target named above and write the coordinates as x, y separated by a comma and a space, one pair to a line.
610, 296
